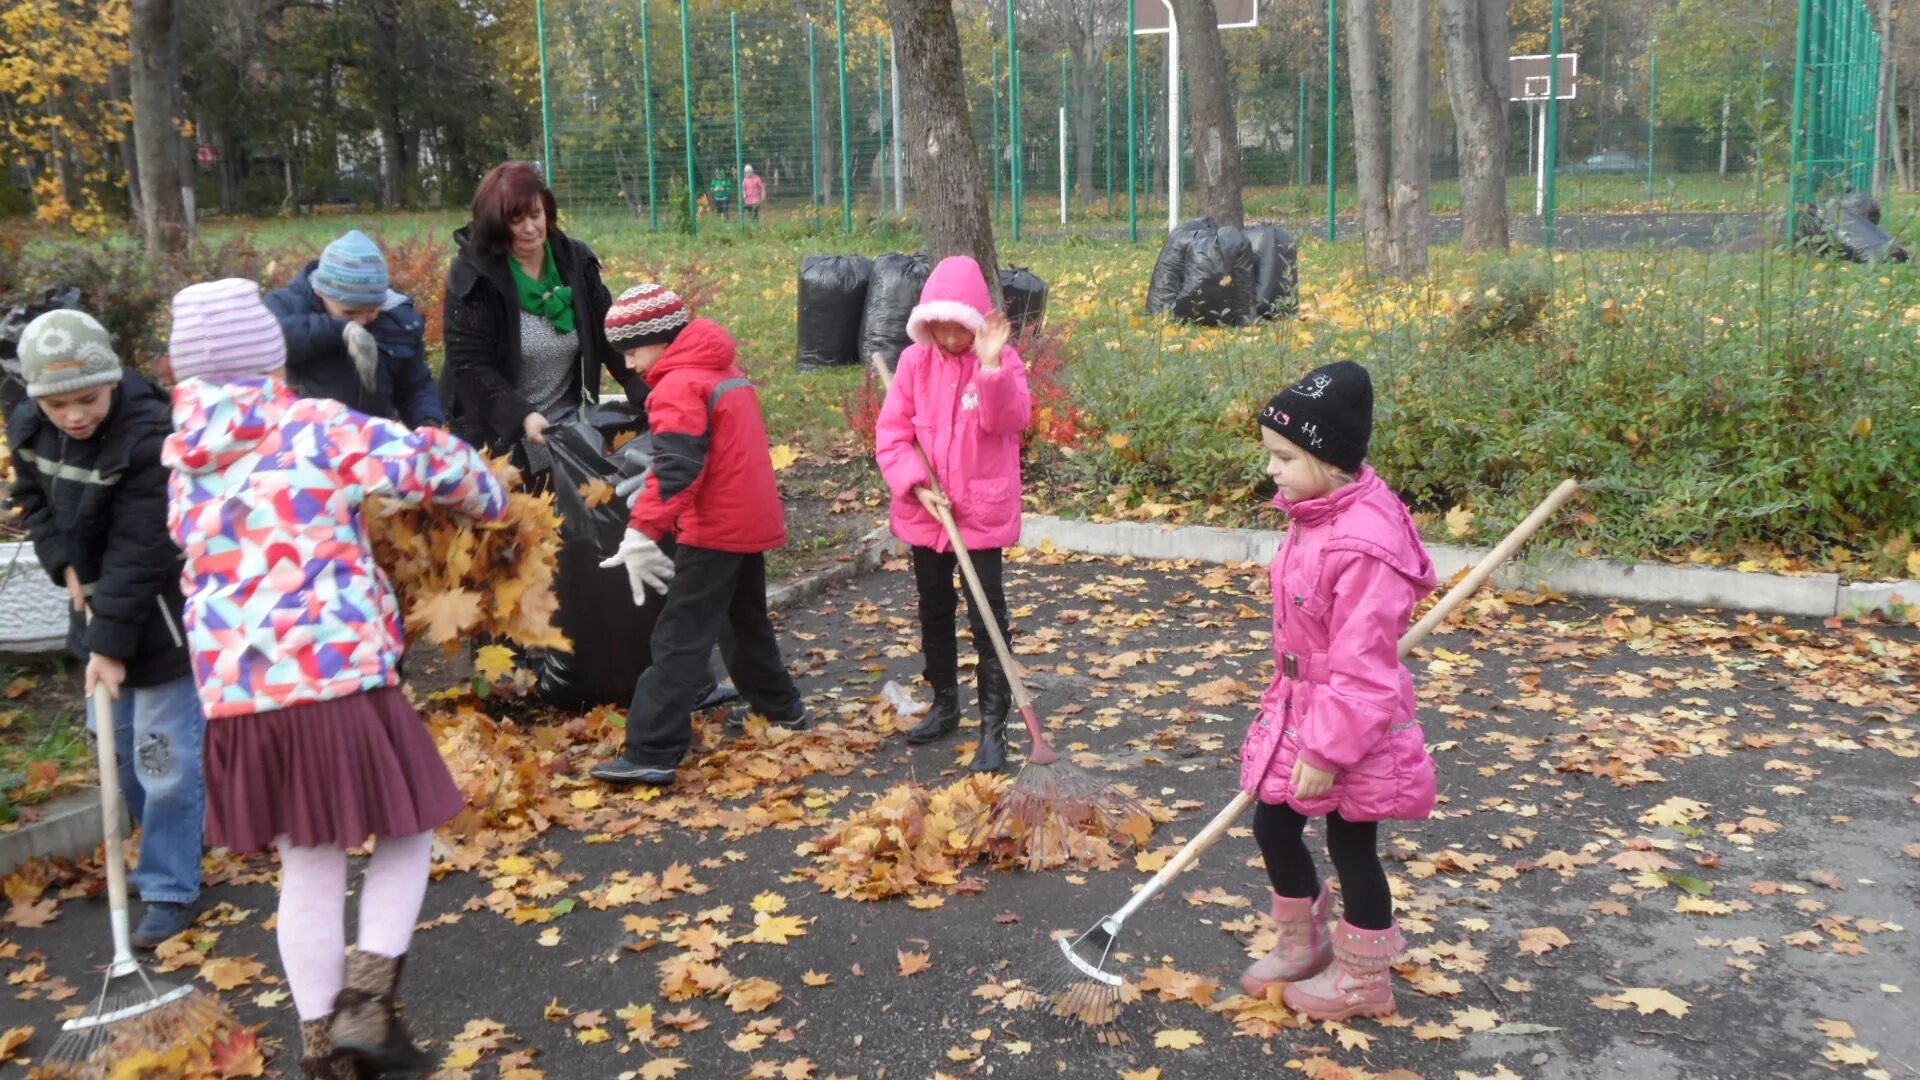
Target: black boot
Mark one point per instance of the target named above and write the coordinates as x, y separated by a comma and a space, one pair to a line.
996, 697
941, 720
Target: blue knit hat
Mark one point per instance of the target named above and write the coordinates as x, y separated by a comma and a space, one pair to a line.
352, 272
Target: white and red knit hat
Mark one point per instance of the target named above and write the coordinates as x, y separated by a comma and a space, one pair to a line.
223, 331
646, 314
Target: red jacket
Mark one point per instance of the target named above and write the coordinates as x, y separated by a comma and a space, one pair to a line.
712, 484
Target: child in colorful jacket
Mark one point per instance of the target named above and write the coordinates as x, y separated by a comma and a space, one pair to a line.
296, 641
713, 491
1336, 734
960, 394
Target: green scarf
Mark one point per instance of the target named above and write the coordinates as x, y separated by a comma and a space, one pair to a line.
546, 297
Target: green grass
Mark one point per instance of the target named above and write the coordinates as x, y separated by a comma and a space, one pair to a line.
44, 748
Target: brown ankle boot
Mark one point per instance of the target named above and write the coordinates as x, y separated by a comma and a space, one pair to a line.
366, 1028
316, 1048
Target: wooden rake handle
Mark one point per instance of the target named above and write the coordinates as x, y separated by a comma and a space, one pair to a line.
1042, 752
107, 753
1190, 852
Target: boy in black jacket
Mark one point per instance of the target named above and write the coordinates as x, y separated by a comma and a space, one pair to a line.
88, 480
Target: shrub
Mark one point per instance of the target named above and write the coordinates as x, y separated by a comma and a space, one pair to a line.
1507, 300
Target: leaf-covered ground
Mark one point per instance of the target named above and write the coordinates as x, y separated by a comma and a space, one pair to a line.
1672, 844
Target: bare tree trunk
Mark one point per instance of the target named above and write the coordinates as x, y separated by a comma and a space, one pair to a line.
1412, 136
1213, 130
1369, 130
1474, 35
154, 71
129, 160
944, 158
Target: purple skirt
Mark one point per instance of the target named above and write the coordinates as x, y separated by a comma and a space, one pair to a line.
329, 773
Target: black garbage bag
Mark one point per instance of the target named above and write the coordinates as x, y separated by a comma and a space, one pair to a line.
1276, 280
13, 383
1205, 274
833, 296
897, 281
611, 637
1861, 203
1025, 297
1848, 226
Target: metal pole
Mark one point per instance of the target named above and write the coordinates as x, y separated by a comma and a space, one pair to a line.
1798, 137
1173, 119
899, 172
846, 136
1333, 104
1107, 99
1550, 153
1133, 155
880, 107
1300, 136
1653, 104
1063, 138
546, 108
686, 112
995, 167
739, 151
1014, 185
813, 110
646, 91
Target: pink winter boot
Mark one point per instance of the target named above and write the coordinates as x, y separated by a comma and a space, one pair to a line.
1358, 983
1304, 950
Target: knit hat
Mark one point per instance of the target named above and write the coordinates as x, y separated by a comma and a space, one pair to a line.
65, 350
1329, 414
222, 331
352, 272
646, 314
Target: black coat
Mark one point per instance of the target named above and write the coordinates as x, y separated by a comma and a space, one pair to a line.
482, 309
318, 364
100, 506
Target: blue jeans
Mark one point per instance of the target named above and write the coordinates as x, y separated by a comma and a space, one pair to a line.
159, 732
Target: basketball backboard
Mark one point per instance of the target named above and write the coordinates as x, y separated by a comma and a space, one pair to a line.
1529, 78
1152, 16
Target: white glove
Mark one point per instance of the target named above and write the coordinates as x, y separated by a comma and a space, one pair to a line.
647, 566
365, 352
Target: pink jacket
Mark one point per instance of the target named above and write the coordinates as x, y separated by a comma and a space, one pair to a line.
1344, 587
753, 190
967, 419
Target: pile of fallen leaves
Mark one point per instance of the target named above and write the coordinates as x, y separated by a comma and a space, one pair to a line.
457, 579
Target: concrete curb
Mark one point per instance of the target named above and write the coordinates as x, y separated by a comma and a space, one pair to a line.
70, 828
866, 554
1815, 595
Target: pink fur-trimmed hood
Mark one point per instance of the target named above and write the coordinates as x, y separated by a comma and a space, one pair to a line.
955, 292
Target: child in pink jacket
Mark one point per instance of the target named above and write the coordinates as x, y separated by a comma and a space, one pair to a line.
960, 394
1336, 734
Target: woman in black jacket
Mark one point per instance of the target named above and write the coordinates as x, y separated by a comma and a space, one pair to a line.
525, 313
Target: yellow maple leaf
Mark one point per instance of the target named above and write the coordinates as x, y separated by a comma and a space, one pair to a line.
1543, 939
1652, 999
753, 995
231, 973
1151, 1072
815, 978
1844, 1053
913, 963
590, 1036
746, 1042
770, 903
1460, 523
1354, 1039
783, 457
777, 929
639, 1021
665, 1068
1177, 1039
13, 1039
493, 662
596, 492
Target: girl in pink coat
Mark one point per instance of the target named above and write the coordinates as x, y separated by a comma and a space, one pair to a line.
959, 393
1336, 734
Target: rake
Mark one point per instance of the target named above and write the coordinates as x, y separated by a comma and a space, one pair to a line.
1049, 800
1085, 990
138, 1025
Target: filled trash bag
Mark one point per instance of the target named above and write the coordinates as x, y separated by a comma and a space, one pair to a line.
833, 297
1276, 280
1205, 274
611, 637
13, 383
1025, 297
897, 280
1848, 226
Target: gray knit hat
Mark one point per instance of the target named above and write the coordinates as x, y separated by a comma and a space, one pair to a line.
64, 351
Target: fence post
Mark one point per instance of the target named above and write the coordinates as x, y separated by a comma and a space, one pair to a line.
1133, 154
1300, 137
1798, 136
899, 166
1333, 104
994, 168
880, 106
846, 137
739, 152
1550, 153
1106, 99
813, 113
686, 112
646, 91
1653, 105
1014, 185
1064, 105
546, 110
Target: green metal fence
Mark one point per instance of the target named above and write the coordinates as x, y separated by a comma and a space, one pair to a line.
1836, 98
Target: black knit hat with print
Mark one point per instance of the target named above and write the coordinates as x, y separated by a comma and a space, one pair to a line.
1329, 414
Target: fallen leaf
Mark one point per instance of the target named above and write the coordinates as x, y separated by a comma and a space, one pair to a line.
1543, 939
1652, 999
913, 963
1177, 1039
662, 1068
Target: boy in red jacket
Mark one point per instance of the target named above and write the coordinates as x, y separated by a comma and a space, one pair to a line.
712, 490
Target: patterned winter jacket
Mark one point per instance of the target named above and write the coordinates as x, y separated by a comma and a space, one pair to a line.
285, 605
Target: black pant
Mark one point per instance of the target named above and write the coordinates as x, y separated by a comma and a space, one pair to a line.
753, 211
933, 573
715, 595
1364, 896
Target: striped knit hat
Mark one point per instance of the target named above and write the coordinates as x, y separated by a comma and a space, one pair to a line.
222, 331
646, 314
352, 272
